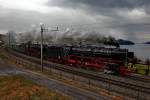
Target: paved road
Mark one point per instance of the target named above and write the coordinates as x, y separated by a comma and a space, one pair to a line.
75, 93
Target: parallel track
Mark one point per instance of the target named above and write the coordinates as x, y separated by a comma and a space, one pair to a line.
88, 75
147, 80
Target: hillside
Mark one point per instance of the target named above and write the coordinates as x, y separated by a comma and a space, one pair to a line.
147, 42
125, 42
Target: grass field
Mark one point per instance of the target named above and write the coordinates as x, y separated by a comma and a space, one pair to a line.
19, 88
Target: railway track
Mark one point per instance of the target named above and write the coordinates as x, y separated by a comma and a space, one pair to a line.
143, 79
87, 75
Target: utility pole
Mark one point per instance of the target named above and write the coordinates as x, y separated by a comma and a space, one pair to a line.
8, 39
126, 58
42, 30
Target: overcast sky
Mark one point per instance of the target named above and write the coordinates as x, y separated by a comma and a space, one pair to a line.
127, 19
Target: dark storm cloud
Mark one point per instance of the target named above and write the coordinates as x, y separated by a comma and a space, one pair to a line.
107, 8
97, 4
130, 23
122, 18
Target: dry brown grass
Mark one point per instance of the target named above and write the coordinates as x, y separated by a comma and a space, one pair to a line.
19, 88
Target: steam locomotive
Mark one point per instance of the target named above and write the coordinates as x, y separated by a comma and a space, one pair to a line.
109, 60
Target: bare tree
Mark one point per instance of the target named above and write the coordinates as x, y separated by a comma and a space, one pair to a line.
11, 37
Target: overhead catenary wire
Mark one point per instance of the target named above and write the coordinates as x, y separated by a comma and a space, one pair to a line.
99, 25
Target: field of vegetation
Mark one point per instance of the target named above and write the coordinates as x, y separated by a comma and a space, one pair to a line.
19, 88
